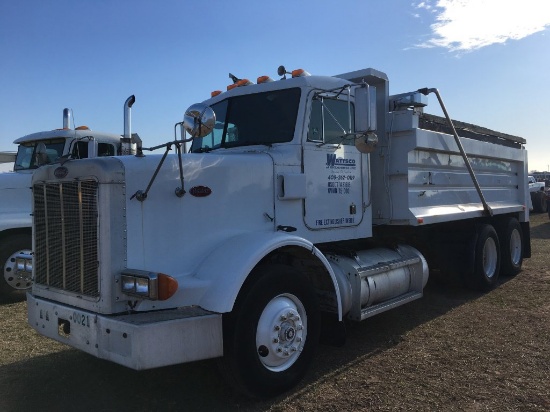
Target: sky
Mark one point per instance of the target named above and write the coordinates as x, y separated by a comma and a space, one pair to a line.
490, 59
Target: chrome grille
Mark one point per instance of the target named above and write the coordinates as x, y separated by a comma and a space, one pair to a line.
66, 236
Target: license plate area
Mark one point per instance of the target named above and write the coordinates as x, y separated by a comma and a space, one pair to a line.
76, 319
63, 328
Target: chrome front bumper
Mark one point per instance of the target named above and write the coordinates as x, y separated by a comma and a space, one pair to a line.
139, 340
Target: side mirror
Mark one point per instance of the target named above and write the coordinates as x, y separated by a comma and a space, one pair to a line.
199, 120
367, 142
365, 109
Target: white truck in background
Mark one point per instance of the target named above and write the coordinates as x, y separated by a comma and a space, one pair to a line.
302, 204
35, 150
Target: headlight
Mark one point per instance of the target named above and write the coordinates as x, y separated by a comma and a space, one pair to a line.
148, 285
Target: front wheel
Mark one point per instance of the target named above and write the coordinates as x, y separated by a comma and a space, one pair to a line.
271, 334
15, 261
486, 268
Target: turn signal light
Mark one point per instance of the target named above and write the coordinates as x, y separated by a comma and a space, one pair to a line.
167, 286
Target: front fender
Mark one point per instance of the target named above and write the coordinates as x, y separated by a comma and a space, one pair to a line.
228, 266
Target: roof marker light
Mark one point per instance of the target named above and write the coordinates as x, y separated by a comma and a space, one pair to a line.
264, 79
239, 83
300, 73
215, 93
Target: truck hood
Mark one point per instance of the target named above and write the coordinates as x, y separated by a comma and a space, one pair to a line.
15, 180
15, 200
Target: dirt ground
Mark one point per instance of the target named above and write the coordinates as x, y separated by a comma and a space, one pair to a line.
453, 350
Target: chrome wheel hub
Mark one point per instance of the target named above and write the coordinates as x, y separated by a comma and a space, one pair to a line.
18, 270
281, 332
490, 256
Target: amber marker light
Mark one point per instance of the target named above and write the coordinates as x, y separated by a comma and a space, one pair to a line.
215, 93
264, 79
243, 82
167, 286
300, 73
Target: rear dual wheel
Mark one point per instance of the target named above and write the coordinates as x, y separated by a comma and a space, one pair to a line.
511, 240
496, 254
486, 267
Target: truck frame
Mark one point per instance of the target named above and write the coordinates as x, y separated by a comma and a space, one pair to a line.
301, 205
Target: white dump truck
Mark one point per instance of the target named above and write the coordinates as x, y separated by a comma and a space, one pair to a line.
35, 150
300, 205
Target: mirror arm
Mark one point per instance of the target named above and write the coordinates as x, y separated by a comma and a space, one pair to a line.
180, 191
142, 195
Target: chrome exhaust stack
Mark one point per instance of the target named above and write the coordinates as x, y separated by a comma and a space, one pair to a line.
67, 118
128, 147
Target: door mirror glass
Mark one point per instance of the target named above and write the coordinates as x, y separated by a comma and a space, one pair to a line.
199, 120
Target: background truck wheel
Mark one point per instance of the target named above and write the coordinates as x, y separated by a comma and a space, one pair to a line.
539, 201
14, 281
511, 247
486, 268
271, 334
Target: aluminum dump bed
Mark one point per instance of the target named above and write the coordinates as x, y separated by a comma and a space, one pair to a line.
426, 179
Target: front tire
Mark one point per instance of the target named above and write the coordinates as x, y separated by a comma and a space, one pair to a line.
14, 280
486, 268
272, 333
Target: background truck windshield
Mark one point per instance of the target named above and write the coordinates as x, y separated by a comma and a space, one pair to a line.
262, 118
26, 153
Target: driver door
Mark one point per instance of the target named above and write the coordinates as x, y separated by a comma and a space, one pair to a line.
332, 167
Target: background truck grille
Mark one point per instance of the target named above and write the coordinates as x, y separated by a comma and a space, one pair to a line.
66, 236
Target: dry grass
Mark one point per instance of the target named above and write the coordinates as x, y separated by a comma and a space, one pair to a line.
451, 350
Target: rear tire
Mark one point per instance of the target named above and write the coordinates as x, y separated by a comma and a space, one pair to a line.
272, 333
486, 268
511, 247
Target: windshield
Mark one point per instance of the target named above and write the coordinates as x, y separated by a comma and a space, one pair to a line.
262, 118
26, 153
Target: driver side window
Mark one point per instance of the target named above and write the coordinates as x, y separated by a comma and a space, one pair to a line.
330, 121
80, 150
